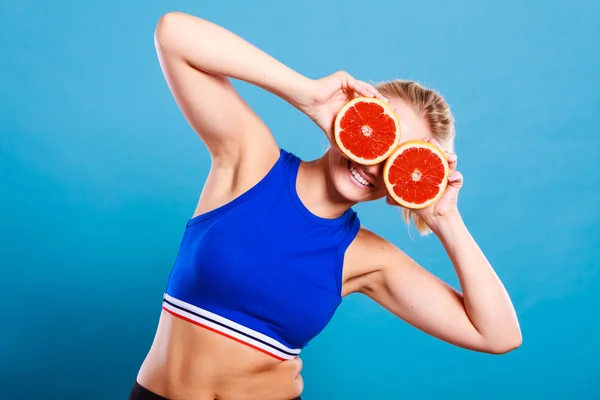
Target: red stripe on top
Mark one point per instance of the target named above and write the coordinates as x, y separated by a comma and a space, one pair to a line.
221, 333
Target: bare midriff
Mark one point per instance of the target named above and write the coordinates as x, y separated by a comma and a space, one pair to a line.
187, 361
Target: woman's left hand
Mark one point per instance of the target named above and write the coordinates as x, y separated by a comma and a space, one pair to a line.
448, 203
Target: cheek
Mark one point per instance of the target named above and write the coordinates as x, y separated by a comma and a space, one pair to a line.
336, 154
337, 162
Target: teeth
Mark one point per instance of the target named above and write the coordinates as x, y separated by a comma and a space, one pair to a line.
357, 176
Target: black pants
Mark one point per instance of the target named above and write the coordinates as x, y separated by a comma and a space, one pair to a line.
141, 393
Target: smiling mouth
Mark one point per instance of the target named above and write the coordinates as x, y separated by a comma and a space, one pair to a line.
356, 176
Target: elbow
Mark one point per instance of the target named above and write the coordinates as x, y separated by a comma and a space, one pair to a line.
164, 28
505, 344
167, 28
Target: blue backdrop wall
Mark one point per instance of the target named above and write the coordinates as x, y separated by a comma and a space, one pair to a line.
99, 173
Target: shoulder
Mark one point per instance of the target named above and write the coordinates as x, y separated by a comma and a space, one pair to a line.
367, 255
225, 182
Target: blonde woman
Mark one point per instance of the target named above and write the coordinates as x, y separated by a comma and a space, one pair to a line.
274, 244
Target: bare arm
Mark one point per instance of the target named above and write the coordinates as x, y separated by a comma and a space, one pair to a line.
481, 319
197, 57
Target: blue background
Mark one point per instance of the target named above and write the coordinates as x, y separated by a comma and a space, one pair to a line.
99, 173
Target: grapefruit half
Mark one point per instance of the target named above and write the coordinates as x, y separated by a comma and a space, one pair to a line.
416, 174
367, 130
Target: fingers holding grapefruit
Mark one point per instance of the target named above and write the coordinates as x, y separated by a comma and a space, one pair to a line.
415, 173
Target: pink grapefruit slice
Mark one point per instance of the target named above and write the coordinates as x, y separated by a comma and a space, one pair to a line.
367, 130
416, 174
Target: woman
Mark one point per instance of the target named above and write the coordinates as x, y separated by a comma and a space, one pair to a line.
274, 245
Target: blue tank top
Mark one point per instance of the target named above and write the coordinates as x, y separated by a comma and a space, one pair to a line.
262, 270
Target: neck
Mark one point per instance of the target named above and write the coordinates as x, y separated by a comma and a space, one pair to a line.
316, 190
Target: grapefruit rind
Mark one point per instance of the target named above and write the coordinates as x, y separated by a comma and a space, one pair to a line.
390, 161
338, 129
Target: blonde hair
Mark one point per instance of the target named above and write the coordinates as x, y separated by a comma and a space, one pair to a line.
435, 111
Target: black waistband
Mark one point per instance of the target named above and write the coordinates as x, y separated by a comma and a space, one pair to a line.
141, 393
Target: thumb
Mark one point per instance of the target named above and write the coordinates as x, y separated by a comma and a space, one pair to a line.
390, 201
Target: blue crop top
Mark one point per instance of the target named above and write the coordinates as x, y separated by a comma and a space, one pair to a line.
262, 270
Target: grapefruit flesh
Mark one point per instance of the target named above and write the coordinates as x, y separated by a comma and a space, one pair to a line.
416, 174
367, 130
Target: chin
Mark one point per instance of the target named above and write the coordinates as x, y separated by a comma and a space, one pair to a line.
343, 176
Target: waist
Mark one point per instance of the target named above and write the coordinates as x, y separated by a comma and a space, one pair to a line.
187, 361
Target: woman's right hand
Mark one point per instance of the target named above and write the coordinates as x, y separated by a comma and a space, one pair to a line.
328, 95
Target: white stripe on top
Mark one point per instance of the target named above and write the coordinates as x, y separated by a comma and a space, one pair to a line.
228, 327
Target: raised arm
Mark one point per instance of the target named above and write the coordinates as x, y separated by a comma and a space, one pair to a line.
480, 318
197, 57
